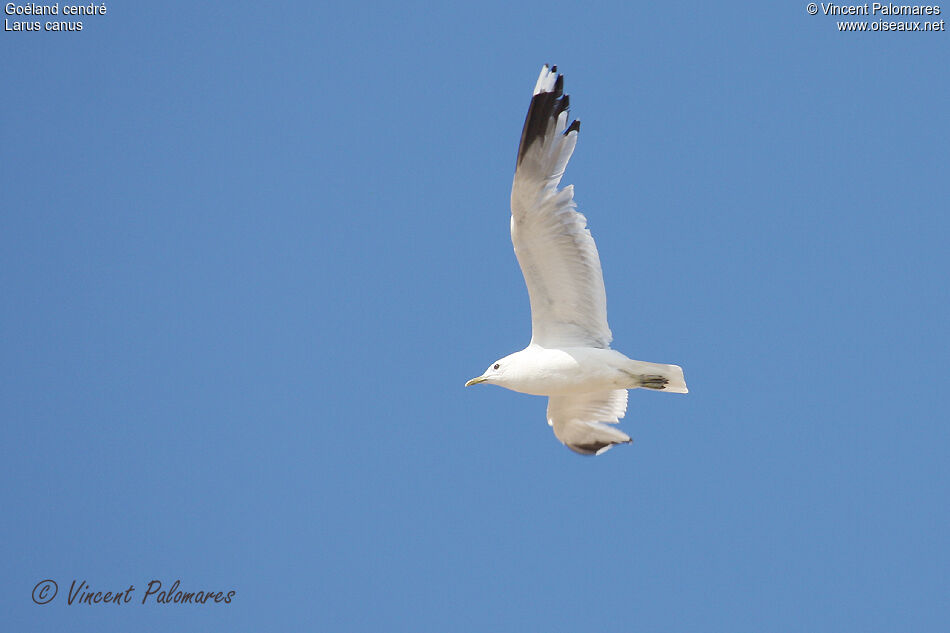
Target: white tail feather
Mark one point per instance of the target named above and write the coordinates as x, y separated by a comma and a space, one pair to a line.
672, 374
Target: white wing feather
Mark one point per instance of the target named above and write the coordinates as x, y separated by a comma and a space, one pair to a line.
579, 420
555, 249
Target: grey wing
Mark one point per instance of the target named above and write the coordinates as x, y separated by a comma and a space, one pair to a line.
581, 421
555, 249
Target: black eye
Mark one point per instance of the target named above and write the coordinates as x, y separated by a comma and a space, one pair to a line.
497, 365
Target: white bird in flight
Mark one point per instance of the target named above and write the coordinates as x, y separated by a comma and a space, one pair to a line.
569, 357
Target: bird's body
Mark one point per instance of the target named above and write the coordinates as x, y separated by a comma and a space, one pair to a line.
541, 371
569, 357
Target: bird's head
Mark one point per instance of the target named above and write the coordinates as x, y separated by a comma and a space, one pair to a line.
495, 374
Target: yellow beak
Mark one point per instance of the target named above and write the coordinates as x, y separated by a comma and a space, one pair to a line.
475, 381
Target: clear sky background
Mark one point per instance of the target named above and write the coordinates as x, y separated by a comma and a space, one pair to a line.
250, 253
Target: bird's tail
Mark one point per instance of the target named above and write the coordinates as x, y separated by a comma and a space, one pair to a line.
656, 376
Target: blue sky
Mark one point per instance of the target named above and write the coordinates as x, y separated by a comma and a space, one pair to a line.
250, 254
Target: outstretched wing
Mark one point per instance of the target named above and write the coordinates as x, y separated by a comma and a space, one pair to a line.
555, 249
579, 420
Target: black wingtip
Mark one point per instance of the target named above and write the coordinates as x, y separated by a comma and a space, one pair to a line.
544, 107
561, 105
575, 126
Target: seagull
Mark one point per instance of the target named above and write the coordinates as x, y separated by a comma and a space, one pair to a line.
568, 359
